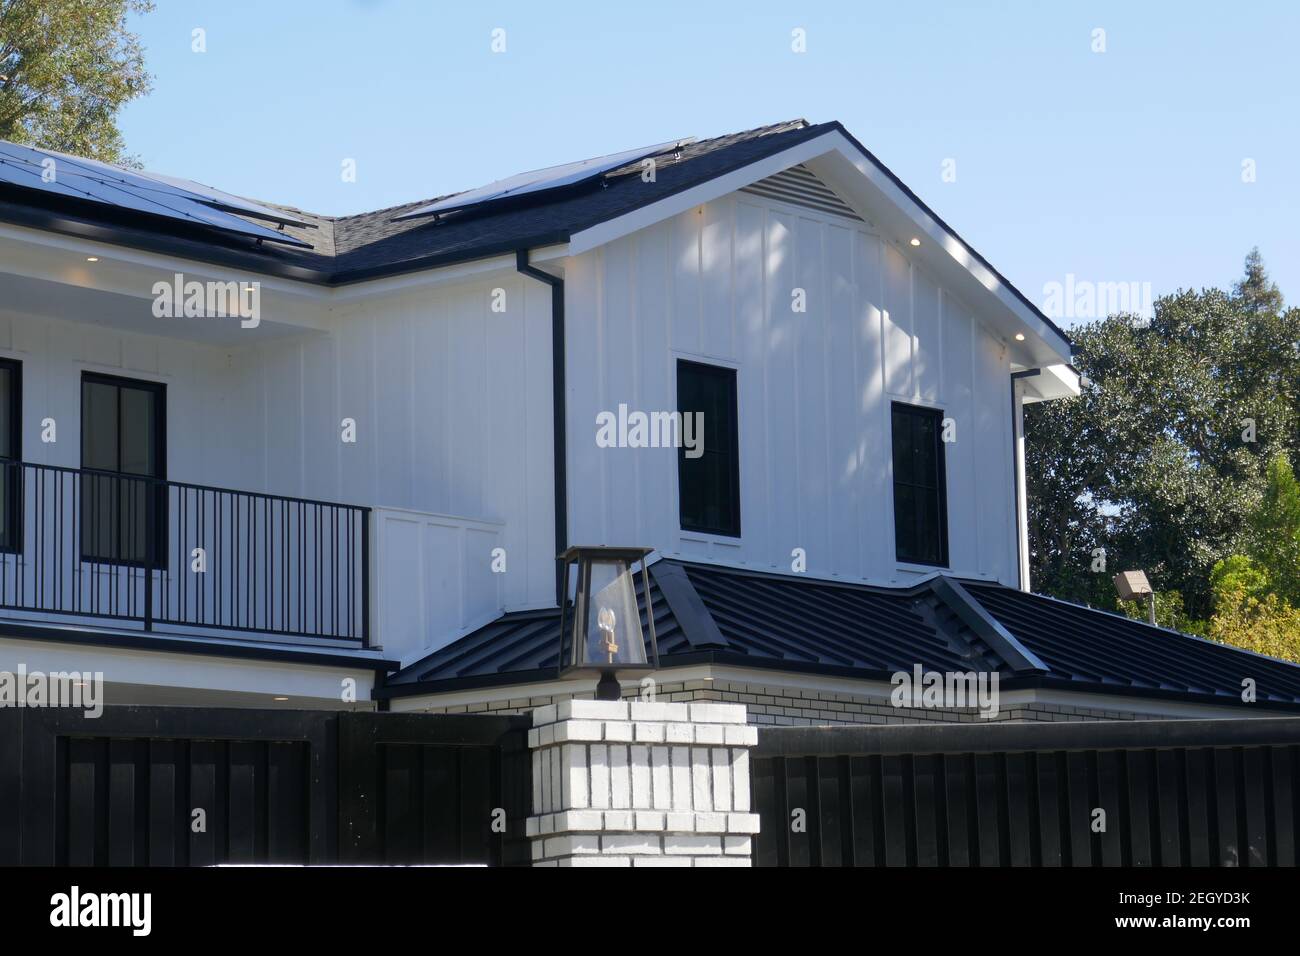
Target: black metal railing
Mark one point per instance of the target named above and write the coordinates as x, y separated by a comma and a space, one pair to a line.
125, 547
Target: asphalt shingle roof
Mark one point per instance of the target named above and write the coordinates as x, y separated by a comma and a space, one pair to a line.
373, 244
350, 248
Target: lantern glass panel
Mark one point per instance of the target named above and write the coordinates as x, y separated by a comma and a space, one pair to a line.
613, 623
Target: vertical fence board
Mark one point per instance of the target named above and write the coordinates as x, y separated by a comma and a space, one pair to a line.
1053, 850
166, 826
11, 750
830, 812
763, 788
1137, 771
959, 788
1286, 803
1174, 793
1225, 798
1172, 808
926, 809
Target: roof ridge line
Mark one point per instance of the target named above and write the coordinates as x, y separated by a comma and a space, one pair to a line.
975, 616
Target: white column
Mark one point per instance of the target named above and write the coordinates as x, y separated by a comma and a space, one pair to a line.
619, 783
1022, 494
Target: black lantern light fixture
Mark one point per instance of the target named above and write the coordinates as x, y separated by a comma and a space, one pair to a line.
600, 628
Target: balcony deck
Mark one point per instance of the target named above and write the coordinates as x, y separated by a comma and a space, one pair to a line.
132, 552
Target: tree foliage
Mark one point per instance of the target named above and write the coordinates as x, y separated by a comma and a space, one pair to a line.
1163, 459
1266, 625
66, 68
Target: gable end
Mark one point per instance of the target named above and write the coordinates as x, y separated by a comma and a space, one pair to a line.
800, 186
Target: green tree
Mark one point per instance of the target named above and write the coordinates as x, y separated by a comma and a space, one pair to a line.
1163, 457
1256, 291
1265, 625
66, 68
1275, 531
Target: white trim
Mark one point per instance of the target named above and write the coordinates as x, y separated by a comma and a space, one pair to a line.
833, 157
872, 691
150, 676
1022, 495
611, 229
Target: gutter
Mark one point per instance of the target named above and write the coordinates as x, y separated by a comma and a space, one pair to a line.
559, 418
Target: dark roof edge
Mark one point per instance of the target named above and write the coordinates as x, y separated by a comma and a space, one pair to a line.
724, 659
1131, 620
166, 244
952, 232
119, 233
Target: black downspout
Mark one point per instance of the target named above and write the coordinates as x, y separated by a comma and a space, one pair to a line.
557, 408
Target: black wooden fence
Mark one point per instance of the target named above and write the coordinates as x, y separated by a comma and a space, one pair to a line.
1174, 793
277, 786
271, 786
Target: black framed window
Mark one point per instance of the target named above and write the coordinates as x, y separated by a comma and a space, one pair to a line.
11, 455
920, 486
709, 484
124, 462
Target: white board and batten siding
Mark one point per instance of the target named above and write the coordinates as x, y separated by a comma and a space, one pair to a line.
452, 404
714, 284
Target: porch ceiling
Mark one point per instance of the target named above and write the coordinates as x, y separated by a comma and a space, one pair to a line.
46, 298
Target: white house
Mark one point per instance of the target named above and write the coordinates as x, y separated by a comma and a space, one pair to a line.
350, 488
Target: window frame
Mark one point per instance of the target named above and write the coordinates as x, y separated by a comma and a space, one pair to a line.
158, 559
940, 490
732, 375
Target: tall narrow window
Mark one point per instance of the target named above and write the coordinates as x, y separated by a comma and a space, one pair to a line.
123, 455
11, 455
920, 492
708, 476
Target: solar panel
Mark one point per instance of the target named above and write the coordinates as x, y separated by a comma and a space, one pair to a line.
553, 177
149, 193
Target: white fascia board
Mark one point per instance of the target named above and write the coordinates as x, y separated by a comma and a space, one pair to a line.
874, 195
552, 256
123, 667
155, 263
616, 228
1050, 382
59, 258
912, 220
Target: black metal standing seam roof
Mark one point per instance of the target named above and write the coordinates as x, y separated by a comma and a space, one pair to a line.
779, 622
1089, 647
777, 618
524, 645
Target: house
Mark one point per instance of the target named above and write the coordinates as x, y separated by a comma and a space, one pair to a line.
259, 457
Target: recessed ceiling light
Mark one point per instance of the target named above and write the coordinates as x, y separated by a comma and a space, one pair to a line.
1020, 336
92, 258
916, 242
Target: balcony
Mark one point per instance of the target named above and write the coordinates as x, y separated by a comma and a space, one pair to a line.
173, 556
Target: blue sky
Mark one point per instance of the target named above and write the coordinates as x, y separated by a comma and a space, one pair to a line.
1122, 166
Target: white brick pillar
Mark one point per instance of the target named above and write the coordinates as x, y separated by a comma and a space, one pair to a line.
619, 783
